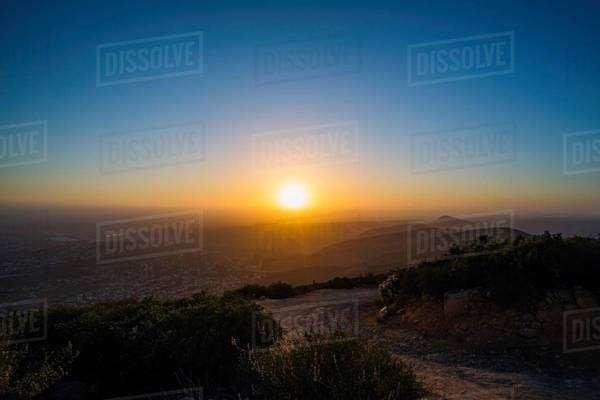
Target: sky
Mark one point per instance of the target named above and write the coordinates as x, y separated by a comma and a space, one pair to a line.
49, 74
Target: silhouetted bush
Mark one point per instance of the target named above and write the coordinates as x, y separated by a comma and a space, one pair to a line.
27, 373
131, 347
331, 369
123, 348
250, 292
519, 274
278, 290
282, 290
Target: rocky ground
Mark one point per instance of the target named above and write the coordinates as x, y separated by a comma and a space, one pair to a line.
449, 371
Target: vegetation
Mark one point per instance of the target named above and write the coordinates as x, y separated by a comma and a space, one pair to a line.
278, 290
520, 274
26, 373
331, 369
124, 348
342, 283
281, 290
130, 347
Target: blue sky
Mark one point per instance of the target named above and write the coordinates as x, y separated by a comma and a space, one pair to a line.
554, 90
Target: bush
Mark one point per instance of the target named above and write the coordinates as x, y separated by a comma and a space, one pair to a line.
326, 369
26, 373
278, 290
131, 347
518, 275
282, 290
123, 348
250, 292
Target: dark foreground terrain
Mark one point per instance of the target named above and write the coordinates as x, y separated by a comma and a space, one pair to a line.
448, 371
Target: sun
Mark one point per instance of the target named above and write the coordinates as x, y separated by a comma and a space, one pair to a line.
293, 196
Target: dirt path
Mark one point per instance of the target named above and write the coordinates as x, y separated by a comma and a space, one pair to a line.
459, 375
447, 373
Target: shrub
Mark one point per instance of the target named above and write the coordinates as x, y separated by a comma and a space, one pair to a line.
326, 369
27, 373
131, 347
250, 292
122, 348
518, 275
280, 290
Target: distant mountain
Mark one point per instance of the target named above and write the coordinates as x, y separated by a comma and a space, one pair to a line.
286, 239
447, 218
380, 249
404, 225
567, 226
379, 252
386, 229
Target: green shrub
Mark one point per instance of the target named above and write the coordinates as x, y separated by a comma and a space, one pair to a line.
122, 348
250, 292
280, 290
26, 373
331, 369
131, 347
520, 274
